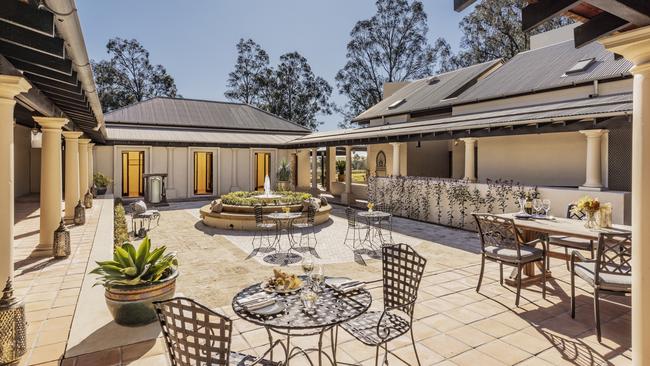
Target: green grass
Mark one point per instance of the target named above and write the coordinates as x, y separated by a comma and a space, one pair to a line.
358, 176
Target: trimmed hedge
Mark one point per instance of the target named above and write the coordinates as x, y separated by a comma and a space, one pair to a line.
242, 198
120, 229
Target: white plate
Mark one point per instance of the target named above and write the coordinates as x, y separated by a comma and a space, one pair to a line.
264, 285
273, 309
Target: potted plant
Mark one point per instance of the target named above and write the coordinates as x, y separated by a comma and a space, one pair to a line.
101, 181
284, 174
340, 169
134, 279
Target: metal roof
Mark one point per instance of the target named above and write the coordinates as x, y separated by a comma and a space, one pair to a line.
421, 95
544, 68
493, 123
184, 136
179, 112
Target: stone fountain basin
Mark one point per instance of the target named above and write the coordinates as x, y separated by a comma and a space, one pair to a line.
243, 217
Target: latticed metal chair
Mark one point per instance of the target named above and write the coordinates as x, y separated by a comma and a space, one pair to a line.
503, 243
386, 207
307, 228
403, 269
198, 336
570, 242
262, 228
610, 273
355, 226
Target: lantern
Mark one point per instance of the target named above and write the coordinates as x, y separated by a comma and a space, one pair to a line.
61, 241
79, 214
13, 327
88, 200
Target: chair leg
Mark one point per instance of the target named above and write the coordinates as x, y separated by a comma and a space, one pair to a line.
566, 254
592, 250
480, 276
518, 284
573, 294
543, 278
501, 273
377, 355
415, 349
597, 314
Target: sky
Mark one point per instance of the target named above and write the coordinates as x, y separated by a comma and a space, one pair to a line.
195, 40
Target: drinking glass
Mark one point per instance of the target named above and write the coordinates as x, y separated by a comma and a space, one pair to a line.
307, 266
537, 205
546, 205
522, 205
317, 277
308, 298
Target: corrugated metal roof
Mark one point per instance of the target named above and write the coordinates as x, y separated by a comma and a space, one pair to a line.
195, 136
543, 68
607, 106
420, 95
164, 111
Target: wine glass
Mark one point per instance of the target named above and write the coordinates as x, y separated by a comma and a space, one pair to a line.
308, 265
537, 205
317, 276
546, 205
522, 205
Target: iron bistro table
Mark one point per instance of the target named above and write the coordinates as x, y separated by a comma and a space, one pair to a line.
284, 222
374, 228
331, 309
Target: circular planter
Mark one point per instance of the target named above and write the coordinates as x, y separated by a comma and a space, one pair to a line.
133, 305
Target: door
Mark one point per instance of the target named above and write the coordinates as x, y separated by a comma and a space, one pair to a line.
262, 169
132, 173
202, 173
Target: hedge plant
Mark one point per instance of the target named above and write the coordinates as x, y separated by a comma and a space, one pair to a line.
120, 229
243, 198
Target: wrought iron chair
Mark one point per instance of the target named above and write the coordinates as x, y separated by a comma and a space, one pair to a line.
262, 228
569, 242
308, 228
609, 273
355, 226
502, 242
385, 207
403, 269
196, 335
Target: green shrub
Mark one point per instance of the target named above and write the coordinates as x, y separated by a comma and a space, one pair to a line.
340, 167
242, 198
120, 229
101, 180
284, 172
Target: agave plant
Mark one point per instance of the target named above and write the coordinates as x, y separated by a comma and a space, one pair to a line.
131, 266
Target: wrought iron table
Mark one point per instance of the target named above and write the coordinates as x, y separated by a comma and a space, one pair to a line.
332, 308
284, 222
374, 226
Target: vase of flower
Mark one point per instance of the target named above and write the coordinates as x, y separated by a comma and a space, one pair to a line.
589, 206
371, 206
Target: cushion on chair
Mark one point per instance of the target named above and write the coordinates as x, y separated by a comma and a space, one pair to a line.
364, 327
527, 253
608, 281
240, 359
216, 206
139, 207
567, 241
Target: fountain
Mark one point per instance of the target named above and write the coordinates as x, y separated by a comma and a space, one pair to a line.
268, 195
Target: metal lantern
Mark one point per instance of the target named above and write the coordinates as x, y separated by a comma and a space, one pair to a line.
79, 214
88, 200
13, 328
61, 241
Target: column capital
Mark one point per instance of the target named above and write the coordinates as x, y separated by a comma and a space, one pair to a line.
84, 141
592, 133
634, 45
91, 145
72, 135
396, 143
469, 140
10, 86
349, 148
51, 123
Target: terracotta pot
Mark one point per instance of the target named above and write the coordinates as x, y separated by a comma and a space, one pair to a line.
133, 305
341, 177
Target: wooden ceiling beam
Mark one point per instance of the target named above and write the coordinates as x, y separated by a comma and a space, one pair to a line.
27, 38
28, 16
601, 25
9, 49
537, 13
460, 5
636, 12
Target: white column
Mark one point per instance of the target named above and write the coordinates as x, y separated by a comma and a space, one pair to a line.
83, 167
470, 159
346, 197
51, 179
10, 86
396, 159
635, 46
91, 164
593, 176
314, 170
71, 172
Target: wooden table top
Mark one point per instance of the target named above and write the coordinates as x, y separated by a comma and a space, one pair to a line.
563, 226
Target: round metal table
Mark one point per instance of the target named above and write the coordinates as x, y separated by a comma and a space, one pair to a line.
374, 228
284, 222
332, 308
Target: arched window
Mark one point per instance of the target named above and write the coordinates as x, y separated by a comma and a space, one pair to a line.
380, 164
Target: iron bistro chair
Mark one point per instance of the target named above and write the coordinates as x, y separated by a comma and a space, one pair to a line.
195, 335
385, 207
570, 242
262, 228
308, 228
403, 269
502, 242
610, 273
355, 226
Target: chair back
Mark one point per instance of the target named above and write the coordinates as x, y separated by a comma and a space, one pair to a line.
383, 207
403, 269
614, 255
259, 214
571, 212
351, 215
311, 214
497, 231
194, 334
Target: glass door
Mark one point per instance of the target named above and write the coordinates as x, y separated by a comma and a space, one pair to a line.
203, 173
262, 169
132, 173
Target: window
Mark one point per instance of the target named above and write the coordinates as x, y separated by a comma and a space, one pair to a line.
580, 66
203, 173
397, 103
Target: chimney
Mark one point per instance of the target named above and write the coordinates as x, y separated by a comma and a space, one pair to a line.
392, 87
553, 36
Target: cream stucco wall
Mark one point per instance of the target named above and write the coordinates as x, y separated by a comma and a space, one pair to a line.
22, 160
373, 150
431, 159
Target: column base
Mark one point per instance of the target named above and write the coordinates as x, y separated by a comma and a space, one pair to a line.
594, 189
345, 198
42, 252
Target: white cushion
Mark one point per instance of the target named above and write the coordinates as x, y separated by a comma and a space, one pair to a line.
140, 207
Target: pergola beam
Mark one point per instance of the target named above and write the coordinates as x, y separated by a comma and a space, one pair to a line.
601, 25
537, 13
460, 5
636, 12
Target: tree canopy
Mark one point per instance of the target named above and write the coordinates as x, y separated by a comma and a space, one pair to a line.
128, 76
291, 90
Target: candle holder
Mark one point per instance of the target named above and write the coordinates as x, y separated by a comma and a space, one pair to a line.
61, 241
88, 200
79, 214
13, 327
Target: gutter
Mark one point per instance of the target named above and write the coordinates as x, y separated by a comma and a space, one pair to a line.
68, 26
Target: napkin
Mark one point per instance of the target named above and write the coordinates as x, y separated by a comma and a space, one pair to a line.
348, 286
256, 301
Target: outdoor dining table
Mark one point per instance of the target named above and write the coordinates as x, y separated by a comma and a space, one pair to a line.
331, 309
284, 223
374, 221
533, 228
